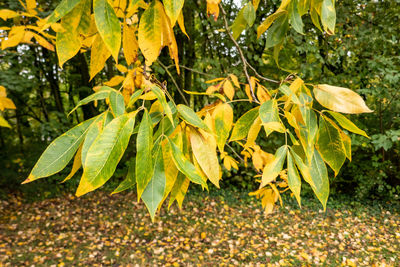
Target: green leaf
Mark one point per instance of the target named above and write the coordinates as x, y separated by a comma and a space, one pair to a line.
161, 97
249, 14
305, 172
223, 120
239, 24
340, 99
154, 192
173, 9
191, 117
144, 145
243, 124
319, 176
117, 103
276, 33
129, 180
328, 15
294, 180
134, 97
274, 167
102, 93
108, 25
61, 10
59, 152
268, 21
105, 153
295, 18
347, 124
308, 132
303, 6
184, 165
330, 144
315, 18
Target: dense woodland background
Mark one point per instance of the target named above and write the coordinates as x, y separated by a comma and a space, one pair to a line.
362, 55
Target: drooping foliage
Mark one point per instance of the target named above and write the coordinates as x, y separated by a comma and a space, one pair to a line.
175, 145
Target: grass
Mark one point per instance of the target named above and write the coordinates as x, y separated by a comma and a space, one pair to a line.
217, 228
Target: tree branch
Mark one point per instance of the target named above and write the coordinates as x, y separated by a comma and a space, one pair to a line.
242, 58
173, 80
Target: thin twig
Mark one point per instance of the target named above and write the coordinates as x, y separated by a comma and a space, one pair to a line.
243, 59
173, 80
192, 70
260, 76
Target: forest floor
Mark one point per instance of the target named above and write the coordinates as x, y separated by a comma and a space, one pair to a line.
210, 230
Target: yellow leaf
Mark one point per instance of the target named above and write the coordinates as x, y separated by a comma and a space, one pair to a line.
15, 36
296, 85
253, 132
274, 126
215, 80
98, 56
43, 42
206, 155
213, 9
261, 158
6, 14
3, 92
340, 99
150, 31
262, 94
30, 6
116, 80
229, 90
230, 163
129, 43
6, 103
119, 7
168, 39
148, 96
182, 24
75, 165
4, 123
122, 68
235, 80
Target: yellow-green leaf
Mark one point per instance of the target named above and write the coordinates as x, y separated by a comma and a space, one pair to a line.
206, 155
150, 31
294, 180
59, 152
154, 192
108, 26
243, 124
173, 9
75, 165
191, 117
319, 176
184, 165
105, 153
347, 124
330, 144
223, 120
274, 167
98, 56
144, 145
340, 99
